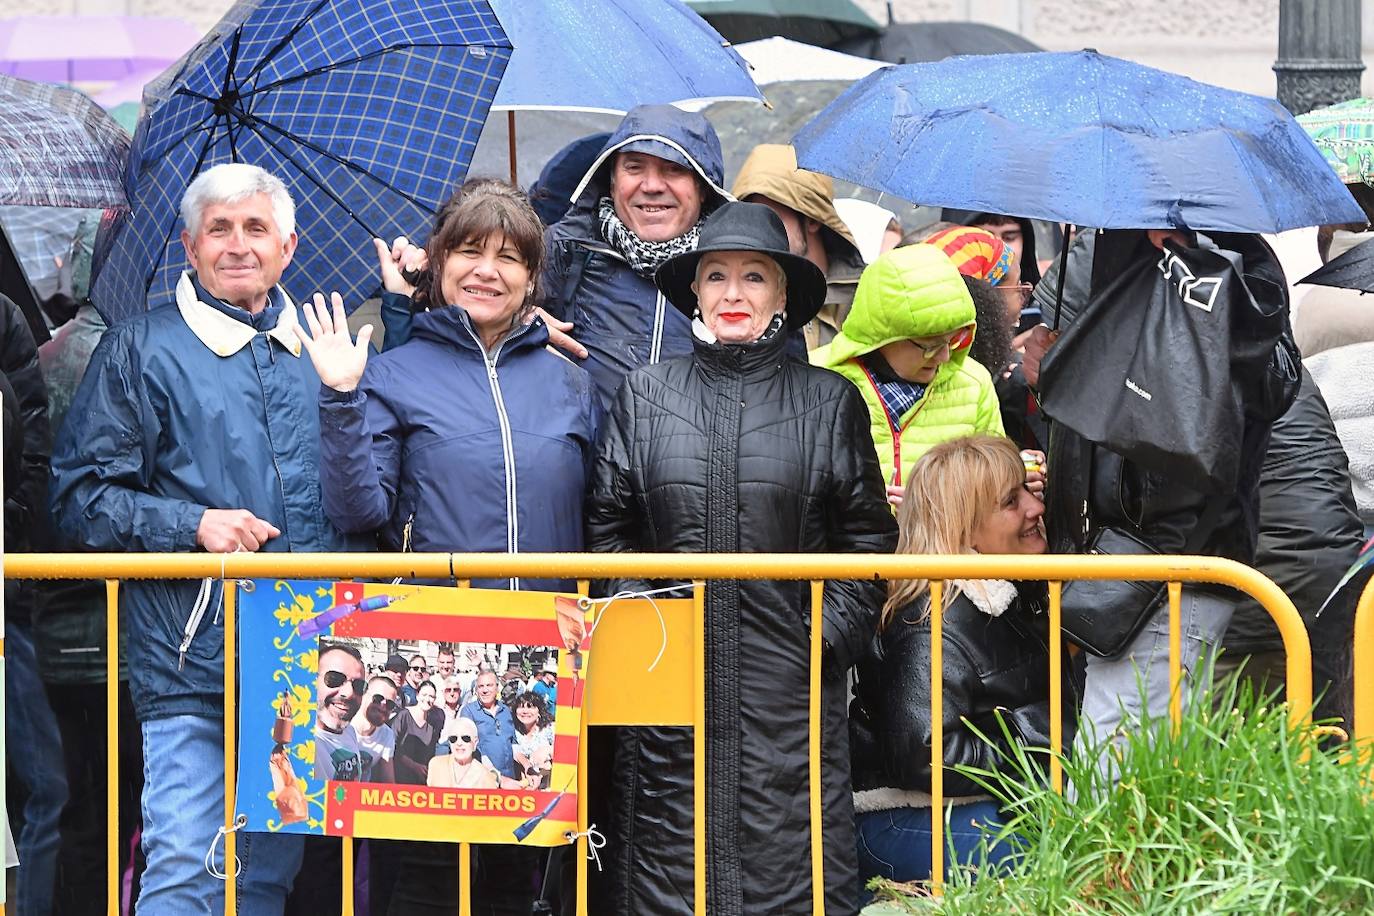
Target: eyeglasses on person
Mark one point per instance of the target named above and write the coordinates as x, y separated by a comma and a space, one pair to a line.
1018, 291
334, 679
956, 341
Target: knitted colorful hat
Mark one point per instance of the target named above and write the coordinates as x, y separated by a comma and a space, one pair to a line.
975, 252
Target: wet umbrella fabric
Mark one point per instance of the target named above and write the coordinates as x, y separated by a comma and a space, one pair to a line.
368, 110
58, 148
1079, 138
1352, 270
613, 55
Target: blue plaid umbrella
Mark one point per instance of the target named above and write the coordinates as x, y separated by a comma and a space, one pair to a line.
369, 110
58, 148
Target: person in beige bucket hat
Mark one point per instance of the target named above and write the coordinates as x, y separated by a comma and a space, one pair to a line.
805, 202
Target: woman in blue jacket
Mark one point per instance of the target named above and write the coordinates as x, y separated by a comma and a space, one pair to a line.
472, 436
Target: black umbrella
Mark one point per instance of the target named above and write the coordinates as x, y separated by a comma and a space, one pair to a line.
1352, 270
914, 42
815, 22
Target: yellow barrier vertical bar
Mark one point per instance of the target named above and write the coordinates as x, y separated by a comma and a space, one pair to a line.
112, 746
464, 850
1056, 691
231, 654
347, 875
464, 879
1362, 729
1175, 656
937, 737
814, 776
580, 848
699, 747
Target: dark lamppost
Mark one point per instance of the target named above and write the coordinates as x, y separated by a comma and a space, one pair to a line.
1319, 53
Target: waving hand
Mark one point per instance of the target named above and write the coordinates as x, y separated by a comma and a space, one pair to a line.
339, 360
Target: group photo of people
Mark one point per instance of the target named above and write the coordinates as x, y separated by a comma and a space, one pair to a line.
995, 301
383, 717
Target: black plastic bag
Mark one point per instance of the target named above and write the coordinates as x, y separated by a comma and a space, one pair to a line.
1147, 369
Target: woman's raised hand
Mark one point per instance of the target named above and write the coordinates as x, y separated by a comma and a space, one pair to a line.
338, 359
398, 262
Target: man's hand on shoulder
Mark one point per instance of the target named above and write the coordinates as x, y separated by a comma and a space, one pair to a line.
559, 336
230, 530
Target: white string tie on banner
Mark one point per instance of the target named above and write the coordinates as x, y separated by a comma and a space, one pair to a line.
239, 823
587, 603
595, 842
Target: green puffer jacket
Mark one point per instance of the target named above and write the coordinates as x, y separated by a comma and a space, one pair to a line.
914, 292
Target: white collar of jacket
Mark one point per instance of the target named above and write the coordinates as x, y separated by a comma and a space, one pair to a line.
226, 336
991, 596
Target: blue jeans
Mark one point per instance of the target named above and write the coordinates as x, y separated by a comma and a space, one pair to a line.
183, 806
34, 746
895, 844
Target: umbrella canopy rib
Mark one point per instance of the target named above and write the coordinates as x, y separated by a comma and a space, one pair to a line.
246, 119
175, 215
310, 176
281, 42
376, 108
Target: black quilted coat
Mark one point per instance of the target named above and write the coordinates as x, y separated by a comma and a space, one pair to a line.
742, 449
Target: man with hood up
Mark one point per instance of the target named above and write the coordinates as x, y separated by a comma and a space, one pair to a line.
905, 347
642, 201
805, 202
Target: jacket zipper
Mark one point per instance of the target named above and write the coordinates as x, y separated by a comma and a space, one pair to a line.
892, 427
507, 449
198, 609
656, 345
202, 602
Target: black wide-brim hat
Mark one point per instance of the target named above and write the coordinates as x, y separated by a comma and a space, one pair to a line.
738, 226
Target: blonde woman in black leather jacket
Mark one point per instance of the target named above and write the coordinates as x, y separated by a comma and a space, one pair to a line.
965, 495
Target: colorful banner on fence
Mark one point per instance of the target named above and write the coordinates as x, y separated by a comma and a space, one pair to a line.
410, 712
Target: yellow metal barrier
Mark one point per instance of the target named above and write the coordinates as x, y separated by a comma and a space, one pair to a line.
1362, 729
696, 568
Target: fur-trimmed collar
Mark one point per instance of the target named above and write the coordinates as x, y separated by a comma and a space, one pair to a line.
991, 596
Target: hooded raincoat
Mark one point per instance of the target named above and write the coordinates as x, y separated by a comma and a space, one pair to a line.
914, 292
617, 314
771, 170
742, 449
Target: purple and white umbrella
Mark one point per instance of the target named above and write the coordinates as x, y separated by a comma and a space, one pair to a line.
84, 49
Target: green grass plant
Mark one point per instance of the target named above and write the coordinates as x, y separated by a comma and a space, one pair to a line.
1237, 813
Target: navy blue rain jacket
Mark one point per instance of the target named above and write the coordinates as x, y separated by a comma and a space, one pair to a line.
162, 428
439, 452
619, 316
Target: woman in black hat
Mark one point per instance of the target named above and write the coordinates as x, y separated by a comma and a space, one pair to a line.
741, 447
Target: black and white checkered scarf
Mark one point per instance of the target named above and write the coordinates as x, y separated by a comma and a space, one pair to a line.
643, 257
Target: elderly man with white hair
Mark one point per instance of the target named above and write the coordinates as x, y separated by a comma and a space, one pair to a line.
196, 428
